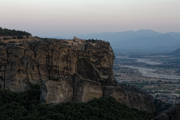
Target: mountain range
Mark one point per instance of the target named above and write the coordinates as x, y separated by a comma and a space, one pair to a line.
141, 41
176, 52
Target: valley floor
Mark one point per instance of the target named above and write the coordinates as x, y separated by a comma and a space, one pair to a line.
158, 75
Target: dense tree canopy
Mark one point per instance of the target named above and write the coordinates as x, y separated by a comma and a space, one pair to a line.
8, 32
27, 106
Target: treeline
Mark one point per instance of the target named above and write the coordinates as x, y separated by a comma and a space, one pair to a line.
27, 106
8, 32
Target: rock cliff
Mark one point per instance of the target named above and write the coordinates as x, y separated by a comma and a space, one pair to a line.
66, 70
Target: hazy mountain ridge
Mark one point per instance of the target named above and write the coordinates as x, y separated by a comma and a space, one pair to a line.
176, 52
143, 41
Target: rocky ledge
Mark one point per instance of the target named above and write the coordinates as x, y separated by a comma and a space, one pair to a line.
66, 70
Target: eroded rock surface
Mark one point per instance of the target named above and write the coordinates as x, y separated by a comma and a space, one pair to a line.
67, 70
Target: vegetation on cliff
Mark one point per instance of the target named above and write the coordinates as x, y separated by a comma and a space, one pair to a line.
8, 32
27, 106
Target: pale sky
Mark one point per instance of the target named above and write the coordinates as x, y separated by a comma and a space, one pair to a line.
54, 17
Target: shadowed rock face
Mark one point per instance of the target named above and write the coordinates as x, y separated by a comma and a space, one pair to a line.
67, 70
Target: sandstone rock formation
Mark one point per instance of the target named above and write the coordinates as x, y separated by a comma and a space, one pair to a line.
66, 70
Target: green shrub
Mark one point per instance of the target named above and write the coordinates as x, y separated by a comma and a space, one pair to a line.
27, 106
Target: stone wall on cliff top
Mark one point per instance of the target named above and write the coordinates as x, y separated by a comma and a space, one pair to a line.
67, 70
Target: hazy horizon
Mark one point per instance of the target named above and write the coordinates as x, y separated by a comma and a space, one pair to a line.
54, 17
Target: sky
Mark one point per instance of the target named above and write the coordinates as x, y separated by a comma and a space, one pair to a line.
56, 17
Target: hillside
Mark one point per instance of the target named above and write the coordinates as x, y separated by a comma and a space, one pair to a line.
27, 106
8, 32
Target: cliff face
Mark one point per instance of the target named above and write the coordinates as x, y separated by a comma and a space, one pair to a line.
67, 70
